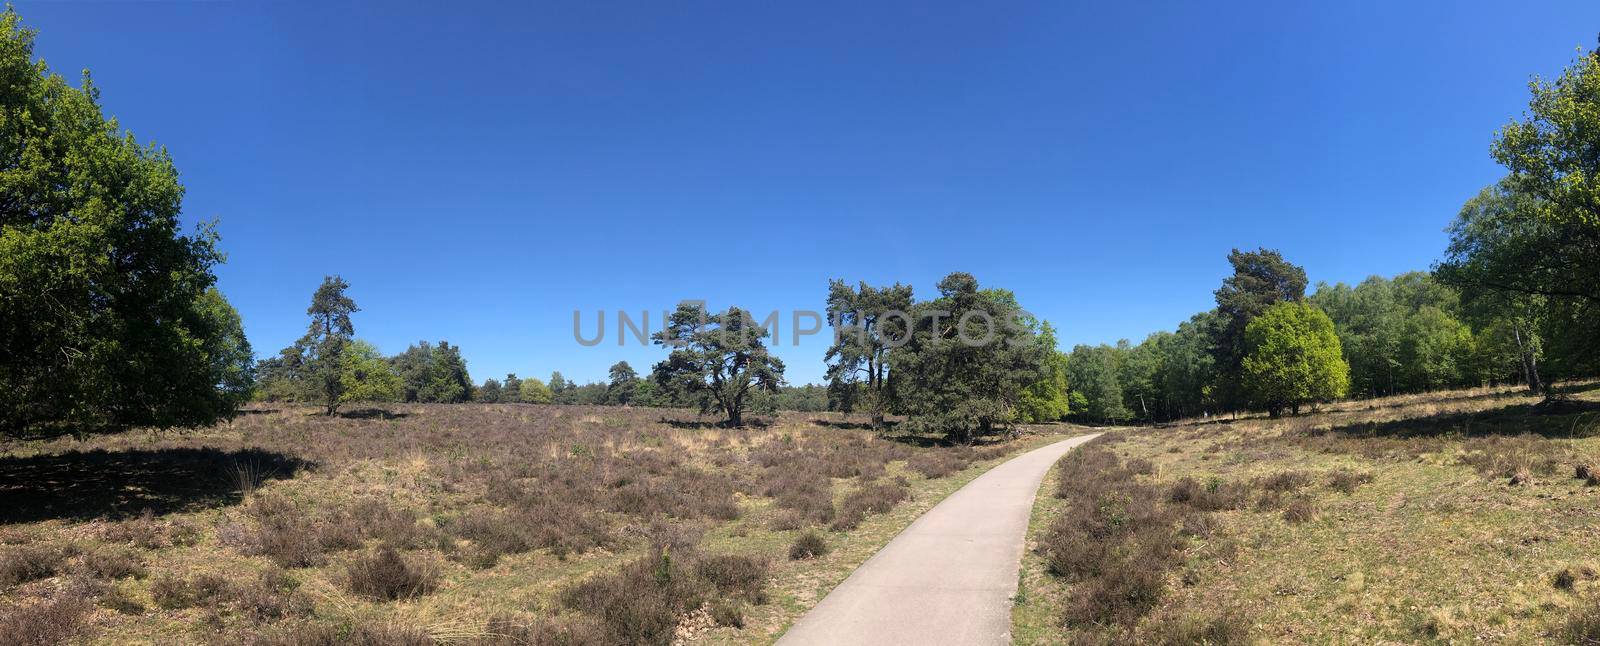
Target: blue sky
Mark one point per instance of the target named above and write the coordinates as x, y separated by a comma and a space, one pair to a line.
479, 172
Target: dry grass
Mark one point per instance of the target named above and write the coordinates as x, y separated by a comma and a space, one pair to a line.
455, 524
1450, 517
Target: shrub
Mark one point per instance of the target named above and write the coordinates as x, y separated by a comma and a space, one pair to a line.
808, 546
1120, 596
503, 630
1346, 481
112, 563
1300, 510
1284, 481
728, 613
143, 531
936, 464
25, 563
642, 603
44, 623
1224, 628
737, 575
386, 576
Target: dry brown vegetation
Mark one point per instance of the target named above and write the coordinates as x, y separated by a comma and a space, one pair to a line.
1451, 517
497, 524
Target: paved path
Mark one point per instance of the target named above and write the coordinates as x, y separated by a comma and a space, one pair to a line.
946, 579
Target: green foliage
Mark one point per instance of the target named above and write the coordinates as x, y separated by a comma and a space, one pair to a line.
866, 321
490, 392
1293, 358
1260, 279
511, 389
433, 374
322, 347
1096, 389
970, 357
109, 316
535, 392
716, 360
366, 376
1046, 400
624, 384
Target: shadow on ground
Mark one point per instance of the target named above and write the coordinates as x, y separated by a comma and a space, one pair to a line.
1550, 419
82, 485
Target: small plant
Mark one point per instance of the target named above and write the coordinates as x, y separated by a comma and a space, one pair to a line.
809, 545
386, 576
25, 563
1299, 510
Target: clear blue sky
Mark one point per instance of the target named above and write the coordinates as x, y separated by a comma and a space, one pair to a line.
478, 172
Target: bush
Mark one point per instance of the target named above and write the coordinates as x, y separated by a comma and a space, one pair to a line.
506, 631
936, 464
1300, 510
870, 499
1346, 481
1186, 628
735, 575
386, 576
808, 546
728, 613
642, 603
25, 563
44, 623
112, 563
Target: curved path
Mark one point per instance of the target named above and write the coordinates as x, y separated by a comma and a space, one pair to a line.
949, 577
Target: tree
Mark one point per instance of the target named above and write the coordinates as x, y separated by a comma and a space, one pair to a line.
490, 392
1260, 279
534, 391
866, 320
511, 389
323, 345
717, 360
623, 383
1185, 366
1512, 264
434, 374
365, 376
1096, 391
968, 361
559, 389
1553, 189
1293, 357
109, 317
1046, 400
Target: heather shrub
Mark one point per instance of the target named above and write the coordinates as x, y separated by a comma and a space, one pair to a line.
387, 576
24, 563
43, 623
808, 545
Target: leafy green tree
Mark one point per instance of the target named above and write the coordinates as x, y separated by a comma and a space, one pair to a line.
109, 317
490, 392
1293, 358
1046, 400
1185, 367
1555, 187
322, 347
1507, 261
1260, 279
624, 381
433, 374
511, 389
1096, 390
366, 376
535, 392
968, 361
866, 321
717, 360
560, 389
